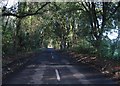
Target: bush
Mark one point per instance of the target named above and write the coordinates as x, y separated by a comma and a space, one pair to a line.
84, 50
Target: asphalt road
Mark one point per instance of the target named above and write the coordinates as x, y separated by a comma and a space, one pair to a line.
51, 67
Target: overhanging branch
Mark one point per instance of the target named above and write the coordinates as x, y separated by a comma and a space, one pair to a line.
25, 14
114, 11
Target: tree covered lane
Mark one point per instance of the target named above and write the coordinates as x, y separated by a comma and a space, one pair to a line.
91, 28
52, 67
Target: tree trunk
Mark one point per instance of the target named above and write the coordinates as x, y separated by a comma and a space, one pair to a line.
18, 35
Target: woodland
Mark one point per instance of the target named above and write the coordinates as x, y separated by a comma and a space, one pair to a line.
87, 28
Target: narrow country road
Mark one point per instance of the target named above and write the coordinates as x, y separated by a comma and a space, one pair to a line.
52, 67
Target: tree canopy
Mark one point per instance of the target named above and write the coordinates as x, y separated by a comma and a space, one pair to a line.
65, 25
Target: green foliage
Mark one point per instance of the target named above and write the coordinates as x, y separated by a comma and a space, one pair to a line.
73, 26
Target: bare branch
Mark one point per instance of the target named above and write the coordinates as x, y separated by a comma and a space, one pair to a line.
25, 14
85, 7
114, 11
42, 7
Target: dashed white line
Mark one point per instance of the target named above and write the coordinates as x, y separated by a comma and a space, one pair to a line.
52, 57
57, 74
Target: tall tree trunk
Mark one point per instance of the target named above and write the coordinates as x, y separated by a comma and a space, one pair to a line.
18, 36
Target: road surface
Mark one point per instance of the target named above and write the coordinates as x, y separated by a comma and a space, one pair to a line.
51, 67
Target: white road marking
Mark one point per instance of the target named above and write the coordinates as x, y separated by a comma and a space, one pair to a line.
57, 74
52, 57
